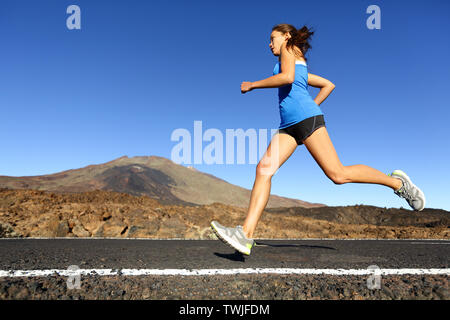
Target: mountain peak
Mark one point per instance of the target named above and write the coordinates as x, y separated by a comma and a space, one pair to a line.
154, 176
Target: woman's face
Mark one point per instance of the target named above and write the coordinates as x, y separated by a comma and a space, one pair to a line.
276, 39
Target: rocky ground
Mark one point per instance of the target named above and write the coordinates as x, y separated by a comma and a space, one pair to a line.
266, 286
32, 213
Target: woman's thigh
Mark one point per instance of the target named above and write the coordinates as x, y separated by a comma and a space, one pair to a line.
322, 150
279, 150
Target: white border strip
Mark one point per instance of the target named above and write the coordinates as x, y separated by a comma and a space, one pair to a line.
256, 239
207, 272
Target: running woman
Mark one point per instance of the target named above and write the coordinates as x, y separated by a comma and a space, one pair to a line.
302, 122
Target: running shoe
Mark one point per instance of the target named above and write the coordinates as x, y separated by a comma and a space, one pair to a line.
233, 237
413, 195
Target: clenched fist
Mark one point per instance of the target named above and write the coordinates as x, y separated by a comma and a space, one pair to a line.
246, 86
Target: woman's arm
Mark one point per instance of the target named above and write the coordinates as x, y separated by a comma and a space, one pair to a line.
285, 77
325, 85
275, 81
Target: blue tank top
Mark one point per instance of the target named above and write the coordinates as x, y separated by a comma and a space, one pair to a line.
296, 104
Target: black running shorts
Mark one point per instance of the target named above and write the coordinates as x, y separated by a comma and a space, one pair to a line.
303, 129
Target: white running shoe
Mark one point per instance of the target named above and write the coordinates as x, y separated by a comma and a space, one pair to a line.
413, 195
234, 237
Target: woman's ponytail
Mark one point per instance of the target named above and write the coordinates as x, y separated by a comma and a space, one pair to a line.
300, 38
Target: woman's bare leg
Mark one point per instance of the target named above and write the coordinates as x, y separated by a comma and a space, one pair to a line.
322, 150
279, 150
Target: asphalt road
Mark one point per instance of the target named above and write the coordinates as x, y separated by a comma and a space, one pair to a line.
32, 254
143, 269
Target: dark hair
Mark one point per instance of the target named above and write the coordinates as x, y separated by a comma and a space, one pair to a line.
299, 37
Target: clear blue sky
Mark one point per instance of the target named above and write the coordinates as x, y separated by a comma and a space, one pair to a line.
138, 70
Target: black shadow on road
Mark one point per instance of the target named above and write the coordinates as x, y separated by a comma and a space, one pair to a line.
237, 256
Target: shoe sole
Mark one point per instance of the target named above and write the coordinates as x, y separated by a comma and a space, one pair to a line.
237, 247
404, 175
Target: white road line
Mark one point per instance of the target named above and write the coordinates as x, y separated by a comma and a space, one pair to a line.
430, 242
256, 239
206, 272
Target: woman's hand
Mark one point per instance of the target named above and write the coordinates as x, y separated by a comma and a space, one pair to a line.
246, 86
